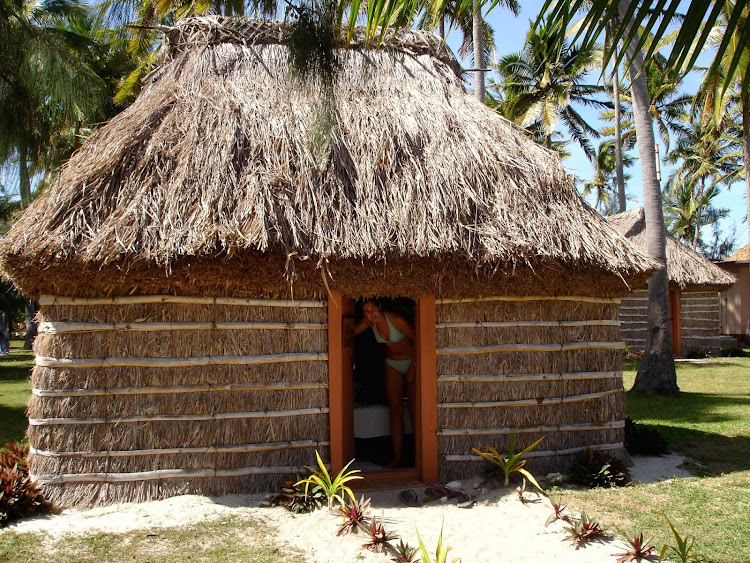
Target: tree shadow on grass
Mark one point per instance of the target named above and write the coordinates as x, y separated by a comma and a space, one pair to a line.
13, 424
690, 407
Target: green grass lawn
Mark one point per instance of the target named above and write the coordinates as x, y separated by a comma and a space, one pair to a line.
15, 389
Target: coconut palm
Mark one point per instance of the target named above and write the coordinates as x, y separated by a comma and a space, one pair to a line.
687, 210
46, 85
543, 82
604, 181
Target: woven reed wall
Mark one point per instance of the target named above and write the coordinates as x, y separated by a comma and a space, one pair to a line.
113, 419
548, 367
701, 322
634, 316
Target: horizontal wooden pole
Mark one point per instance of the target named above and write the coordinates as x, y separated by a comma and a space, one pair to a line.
510, 377
517, 324
163, 474
229, 449
576, 298
531, 429
494, 348
174, 389
47, 300
541, 401
49, 327
46, 362
547, 453
175, 417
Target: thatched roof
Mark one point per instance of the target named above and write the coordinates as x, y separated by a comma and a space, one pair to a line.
214, 160
687, 270
742, 255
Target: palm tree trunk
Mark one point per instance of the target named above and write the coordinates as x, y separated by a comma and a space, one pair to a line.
618, 139
698, 213
745, 98
478, 45
24, 189
656, 373
441, 27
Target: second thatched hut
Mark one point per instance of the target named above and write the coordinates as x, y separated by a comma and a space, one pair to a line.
197, 264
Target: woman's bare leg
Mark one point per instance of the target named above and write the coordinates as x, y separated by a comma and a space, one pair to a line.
394, 394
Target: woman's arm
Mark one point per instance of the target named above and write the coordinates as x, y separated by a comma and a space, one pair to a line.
362, 326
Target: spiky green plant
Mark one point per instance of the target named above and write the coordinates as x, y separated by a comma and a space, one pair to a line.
511, 463
403, 553
354, 514
583, 530
683, 546
441, 552
638, 548
380, 538
333, 488
296, 499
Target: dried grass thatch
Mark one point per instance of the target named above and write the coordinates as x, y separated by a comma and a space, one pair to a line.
687, 270
209, 180
742, 255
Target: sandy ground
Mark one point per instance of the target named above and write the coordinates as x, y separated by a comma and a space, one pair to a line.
498, 528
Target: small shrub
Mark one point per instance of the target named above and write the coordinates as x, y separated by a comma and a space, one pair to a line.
698, 354
596, 469
558, 513
403, 553
584, 529
295, 498
732, 351
333, 488
380, 538
683, 547
441, 552
14, 454
19, 495
643, 440
511, 463
638, 548
354, 514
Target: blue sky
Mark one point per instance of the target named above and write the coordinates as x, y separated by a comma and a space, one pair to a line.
510, 36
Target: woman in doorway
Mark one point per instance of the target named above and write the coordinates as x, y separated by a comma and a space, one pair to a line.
397, 334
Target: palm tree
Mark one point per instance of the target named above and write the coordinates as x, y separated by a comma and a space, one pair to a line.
706, 158
542, 82
604, 181
688, 210
45, 84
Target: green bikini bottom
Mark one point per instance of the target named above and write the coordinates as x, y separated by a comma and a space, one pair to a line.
401, 366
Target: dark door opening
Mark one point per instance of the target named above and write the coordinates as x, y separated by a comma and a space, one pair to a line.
383, 387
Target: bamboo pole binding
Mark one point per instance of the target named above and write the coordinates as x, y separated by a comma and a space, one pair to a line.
517, 324
231, 449
203, 388
53, 327
47, 300
494, 348
511, 377
581, 299
73, 363
584, 427
175, 417
542, 401
548, 453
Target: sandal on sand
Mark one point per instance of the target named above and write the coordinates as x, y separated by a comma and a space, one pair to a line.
439, 491
409, 498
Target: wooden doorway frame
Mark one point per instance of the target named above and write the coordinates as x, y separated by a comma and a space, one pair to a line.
676, 321
341, 391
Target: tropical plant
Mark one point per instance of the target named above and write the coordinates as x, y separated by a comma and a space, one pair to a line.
295, 498
595, 469
683, 547
441, 551
19, 495
14, 454
583, 530
354, 516
637, 548
604, 181
558, 513
380, 538
403, 553
511, 463
542, 83
333, 488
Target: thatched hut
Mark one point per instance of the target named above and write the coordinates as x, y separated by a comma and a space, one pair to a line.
735, 301
694, 283
196, 263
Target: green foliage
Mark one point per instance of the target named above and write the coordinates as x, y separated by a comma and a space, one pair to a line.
19, 495
380, 538
638, 548
511, 463
295, 498
14, 454
596, 469
441, 551
583, 529
558, 512
403, 553
641, 439
355, 516
683, 547
333, 488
